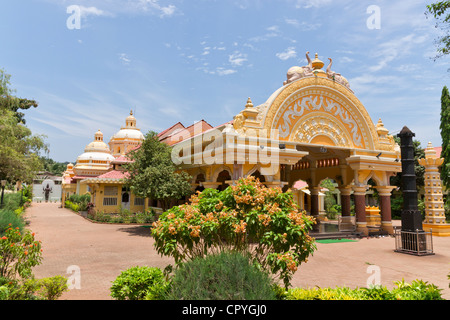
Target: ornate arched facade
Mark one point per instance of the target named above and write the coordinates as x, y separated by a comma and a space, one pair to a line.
311, 128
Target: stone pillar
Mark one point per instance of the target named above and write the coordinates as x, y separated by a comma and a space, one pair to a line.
315, 201
385, 207
345, 200
359, 192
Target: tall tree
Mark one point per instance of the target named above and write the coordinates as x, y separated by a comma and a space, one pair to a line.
152, 174
445, 135
10, 102
440, 11
19, 150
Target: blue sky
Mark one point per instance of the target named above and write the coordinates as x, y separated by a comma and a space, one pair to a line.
186, 60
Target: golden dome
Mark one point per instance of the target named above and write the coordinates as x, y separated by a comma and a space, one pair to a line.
97, 145
130, 131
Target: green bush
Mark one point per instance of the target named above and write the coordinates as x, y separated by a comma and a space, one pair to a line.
19, 253
50, 288
73, 206
53, 287
139, 283
247, 217
9, 219
333, 211
223, 276
80, 200
417, 290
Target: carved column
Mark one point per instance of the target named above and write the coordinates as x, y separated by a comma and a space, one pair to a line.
385, 207
359, 192
345, 200
315, 201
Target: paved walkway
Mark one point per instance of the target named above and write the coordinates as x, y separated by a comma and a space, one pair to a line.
102, 252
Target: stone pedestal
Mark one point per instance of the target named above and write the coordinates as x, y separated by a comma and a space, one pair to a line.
373, 216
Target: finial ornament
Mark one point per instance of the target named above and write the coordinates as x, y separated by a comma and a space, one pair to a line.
249, 103
317, 63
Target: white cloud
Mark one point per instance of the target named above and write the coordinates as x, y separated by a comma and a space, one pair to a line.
124, 58
287, 54
395, 48
153, 5
237, 58
93, 11
223, 72
304, 26
273, 31
311, 3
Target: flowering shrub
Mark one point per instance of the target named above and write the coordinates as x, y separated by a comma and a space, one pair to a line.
417, 290
140, 283
19, 252
248, 217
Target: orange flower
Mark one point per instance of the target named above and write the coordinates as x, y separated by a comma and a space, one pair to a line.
26, 252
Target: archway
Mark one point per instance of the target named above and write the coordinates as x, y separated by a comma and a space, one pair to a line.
223, 176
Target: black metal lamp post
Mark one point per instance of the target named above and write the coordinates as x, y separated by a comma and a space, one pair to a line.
411, 217
413, 239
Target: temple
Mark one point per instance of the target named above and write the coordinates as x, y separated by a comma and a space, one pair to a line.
99, 171
312, 128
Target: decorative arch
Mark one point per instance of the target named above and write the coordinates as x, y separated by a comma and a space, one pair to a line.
320, 128
256, 169
339, 110
219, 170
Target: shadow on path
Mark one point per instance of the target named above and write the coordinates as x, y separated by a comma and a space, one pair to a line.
142, 231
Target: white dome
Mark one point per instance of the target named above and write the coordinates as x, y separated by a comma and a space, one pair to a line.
97, 146
100, 156
129, 133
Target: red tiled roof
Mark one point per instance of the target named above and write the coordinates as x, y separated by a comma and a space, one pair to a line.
121, 159
162, 133
114, 174
186, 133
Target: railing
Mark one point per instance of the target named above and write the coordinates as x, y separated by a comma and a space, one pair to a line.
413, 242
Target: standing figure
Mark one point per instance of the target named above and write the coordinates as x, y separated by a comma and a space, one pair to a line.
47, 191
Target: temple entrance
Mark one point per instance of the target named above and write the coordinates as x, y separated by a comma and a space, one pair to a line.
316, 128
